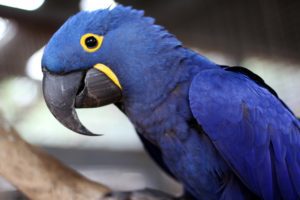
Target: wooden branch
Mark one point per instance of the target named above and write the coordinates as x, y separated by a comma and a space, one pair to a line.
41, 177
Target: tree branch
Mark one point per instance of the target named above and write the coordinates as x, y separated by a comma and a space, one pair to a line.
41, 177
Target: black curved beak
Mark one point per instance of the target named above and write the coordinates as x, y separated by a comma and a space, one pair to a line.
81, 89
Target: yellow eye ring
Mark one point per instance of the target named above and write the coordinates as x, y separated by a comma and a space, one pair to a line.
91, 42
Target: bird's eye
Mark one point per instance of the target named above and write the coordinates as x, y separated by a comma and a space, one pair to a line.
91, 42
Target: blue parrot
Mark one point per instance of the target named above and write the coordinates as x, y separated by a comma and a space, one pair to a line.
220, 131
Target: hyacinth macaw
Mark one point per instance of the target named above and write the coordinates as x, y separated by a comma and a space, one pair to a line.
221, 131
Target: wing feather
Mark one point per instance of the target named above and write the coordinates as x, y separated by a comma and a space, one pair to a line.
257, 135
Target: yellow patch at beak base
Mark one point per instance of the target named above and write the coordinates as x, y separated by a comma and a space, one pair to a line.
108, 72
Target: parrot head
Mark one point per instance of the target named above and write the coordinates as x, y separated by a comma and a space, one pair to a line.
106, 56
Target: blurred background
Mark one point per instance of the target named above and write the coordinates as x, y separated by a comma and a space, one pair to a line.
262, 35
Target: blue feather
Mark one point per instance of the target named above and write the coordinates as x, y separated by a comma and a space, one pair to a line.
251, 129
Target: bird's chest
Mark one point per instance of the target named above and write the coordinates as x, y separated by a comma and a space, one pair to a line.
193, 162
185, 149
188, 154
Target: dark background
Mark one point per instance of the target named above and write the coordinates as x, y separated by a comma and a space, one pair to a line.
269, 28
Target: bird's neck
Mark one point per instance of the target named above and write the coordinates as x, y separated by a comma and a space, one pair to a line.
171, 106
155, 86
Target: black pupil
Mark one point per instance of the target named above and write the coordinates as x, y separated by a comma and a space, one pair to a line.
91, 42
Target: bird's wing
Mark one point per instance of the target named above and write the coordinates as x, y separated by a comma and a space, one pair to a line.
256, 134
